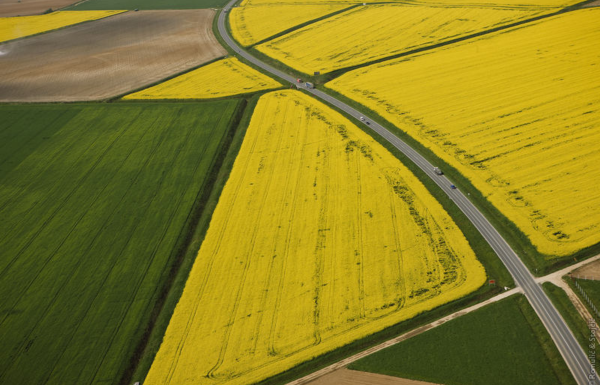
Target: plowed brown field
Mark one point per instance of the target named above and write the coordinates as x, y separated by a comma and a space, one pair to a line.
353, 377
589, 271
105, 58
31, 7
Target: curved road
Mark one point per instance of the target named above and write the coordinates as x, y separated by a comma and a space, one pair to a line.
573, 354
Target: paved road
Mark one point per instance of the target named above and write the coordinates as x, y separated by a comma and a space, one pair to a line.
573, 354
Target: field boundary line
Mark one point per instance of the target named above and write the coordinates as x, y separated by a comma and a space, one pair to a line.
63, 27
203, 283
168, 292
326, 77
301, 25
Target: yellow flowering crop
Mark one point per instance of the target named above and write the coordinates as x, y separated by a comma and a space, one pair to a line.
255, 23
373, 32
449, 3
21, 26
245, 3
320, 237
517, 113
501, 3
222, 78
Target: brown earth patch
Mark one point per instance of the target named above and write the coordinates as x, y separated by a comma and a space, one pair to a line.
354, 377
589, 271
593, 4
31, 7
106, 58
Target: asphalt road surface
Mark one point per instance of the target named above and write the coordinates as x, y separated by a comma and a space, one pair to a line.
574, 356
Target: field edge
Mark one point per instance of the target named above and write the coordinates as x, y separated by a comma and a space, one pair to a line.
186, 251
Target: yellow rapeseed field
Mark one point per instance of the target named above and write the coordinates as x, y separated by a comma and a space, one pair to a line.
373, 32
449, 3
222, 78
517, 113
21, 26
245, 3
252, 24
320, 237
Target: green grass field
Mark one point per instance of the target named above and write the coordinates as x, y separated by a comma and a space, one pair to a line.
502, 343
146, 4
592, 289
96, 202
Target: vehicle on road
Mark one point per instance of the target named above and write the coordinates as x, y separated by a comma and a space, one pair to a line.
309, 85
453, 187
362, 118
438, 171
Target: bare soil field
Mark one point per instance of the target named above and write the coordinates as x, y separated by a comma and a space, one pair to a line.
589, 271
106, 58
353, 377
31, 7
593, 4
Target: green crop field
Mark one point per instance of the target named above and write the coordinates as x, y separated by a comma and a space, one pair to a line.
592, 289
146, 4
96, 202
502, 343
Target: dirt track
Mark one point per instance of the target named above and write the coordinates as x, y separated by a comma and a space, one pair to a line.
353, 377
31, 7
105, 58
313, 377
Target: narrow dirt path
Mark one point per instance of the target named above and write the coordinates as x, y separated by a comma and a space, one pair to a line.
557, 275
312, 377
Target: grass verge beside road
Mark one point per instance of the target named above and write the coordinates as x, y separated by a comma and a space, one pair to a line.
571, 316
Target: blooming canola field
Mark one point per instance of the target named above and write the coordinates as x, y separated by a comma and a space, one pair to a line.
320, 237
515, 112
225, 77
252, 24
373, 32
449, 3
17, 27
